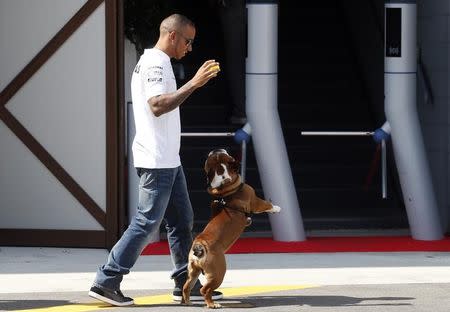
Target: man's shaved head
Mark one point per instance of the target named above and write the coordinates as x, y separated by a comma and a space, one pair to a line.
176, 35
175, 22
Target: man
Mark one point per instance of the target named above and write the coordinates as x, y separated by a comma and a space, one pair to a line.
163, 192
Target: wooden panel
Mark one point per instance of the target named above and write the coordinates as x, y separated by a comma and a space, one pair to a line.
52, 238
112, 129
115, 201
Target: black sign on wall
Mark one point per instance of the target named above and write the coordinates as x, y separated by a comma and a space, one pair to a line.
393, 32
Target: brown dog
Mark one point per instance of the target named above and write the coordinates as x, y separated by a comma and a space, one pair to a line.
233, 203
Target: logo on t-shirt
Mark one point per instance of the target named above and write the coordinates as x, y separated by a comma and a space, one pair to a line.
154, 74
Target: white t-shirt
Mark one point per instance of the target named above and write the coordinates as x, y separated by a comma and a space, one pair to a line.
157, 140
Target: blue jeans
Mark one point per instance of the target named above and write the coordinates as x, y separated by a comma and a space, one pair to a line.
163, 195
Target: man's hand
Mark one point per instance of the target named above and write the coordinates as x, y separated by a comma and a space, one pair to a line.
208, 70
165, 103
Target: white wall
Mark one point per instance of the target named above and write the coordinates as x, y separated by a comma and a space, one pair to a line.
434, 40
62, 106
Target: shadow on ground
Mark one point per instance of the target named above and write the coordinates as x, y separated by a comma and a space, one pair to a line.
247, 302
325, 301
11, 305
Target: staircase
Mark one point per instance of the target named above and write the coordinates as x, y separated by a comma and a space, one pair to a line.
319, 90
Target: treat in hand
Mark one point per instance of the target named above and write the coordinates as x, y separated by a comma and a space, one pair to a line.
215, 68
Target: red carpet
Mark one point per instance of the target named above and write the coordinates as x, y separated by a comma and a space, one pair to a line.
323, 244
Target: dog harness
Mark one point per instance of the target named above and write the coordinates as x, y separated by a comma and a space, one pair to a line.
221, 203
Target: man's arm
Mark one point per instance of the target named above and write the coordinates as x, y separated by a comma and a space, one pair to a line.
165, 103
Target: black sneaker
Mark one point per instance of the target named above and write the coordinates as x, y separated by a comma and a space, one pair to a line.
177, 294
115, 298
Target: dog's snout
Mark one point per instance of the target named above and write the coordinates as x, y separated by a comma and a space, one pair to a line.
221, 176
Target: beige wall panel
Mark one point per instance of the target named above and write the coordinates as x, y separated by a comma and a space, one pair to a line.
25, 27
30, 196
63, 107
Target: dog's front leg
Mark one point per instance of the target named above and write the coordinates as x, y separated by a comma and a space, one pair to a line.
259, 205
274, 209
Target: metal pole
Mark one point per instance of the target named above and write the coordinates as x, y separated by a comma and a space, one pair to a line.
244, 159
338, 133
208, 134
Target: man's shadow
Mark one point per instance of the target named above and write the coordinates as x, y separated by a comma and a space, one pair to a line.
15, 304
247, 302
325, 301
313, 301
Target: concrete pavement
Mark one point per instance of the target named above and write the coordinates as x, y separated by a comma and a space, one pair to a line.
57, 279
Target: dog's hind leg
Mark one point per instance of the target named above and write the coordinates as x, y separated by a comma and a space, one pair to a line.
193, 273
214, 278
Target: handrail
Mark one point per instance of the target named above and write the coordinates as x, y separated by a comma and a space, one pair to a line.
208, 134
223, 134
359, 133
337, 133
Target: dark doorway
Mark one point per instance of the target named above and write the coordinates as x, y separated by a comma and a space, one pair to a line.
328, 81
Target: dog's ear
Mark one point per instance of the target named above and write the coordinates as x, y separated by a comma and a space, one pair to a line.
234, 165
207, 170
205, 167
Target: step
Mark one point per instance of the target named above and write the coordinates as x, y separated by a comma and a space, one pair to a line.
316, 69
319, 89
299, 54
298, 88
326, 208
204, 114
310, 152
319, 175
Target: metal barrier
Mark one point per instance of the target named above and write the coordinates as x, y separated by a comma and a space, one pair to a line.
223, 134
359, 133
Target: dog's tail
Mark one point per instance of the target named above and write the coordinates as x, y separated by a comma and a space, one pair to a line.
199, 250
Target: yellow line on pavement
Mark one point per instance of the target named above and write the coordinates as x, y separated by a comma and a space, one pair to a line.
167, 298
253, 290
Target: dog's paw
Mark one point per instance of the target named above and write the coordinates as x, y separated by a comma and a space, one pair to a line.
274, 209
185, 301
214, 306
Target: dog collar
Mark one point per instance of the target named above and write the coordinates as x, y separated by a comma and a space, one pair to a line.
226, 190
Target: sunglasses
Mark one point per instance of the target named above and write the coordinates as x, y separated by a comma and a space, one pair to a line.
188, 42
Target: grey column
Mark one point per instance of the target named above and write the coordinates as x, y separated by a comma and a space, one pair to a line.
400, 107
262, 114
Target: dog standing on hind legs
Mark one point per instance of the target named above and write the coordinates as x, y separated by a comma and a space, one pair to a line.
233, 203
